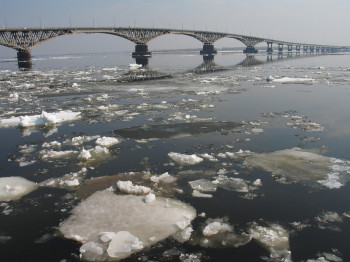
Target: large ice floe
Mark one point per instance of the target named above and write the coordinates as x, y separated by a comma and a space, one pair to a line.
176, 130
13, 188
44, 119
114, 226
305, 167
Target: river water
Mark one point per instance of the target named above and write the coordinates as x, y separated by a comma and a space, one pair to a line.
258, 146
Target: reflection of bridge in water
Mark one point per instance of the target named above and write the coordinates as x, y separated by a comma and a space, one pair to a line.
23, 39
208, 66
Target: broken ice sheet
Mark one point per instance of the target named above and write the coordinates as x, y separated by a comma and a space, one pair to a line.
305, 167
274, 238
218, 233
106, 212
175, 130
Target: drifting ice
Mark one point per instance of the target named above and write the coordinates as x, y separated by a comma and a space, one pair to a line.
183, 159
305, 167
44, 119
13, 188
145, 223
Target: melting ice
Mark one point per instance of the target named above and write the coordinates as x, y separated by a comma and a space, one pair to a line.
305, 167
136, 224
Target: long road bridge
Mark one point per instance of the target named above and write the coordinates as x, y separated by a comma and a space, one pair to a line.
23, 39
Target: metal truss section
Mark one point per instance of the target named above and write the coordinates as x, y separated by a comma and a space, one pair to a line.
249, 41
26, 39
205, 37
139, 35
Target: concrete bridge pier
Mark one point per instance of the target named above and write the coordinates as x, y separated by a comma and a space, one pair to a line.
141, 54
269, 48
24, 59
280, 48
290, 48
250, 50
208, 50
312, 49
305, 48
317, 49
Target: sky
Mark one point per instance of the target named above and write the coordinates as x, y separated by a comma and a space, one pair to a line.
311, 21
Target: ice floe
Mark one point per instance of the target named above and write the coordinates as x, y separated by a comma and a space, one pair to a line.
306, 167
218, 233
107, 141
274, 238
129, 188
293, 80
44, 119
142, 224
183, 159
13, 188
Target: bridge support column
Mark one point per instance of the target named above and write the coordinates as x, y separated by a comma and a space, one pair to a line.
208, 50
269, 47
290, 48
297, 48
317, 49
312, 49
141, 54
250, 50
305, 48
24, 59
280, 48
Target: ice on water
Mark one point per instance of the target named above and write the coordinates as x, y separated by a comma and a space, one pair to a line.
183, 159
146, 223
302, 166
44, 119
13, 188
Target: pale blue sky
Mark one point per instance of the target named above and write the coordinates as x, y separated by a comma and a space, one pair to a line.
313, 21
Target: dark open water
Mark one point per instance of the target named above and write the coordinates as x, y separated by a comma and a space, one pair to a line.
259, 117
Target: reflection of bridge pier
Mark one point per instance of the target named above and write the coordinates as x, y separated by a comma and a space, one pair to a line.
24, 59
141, 54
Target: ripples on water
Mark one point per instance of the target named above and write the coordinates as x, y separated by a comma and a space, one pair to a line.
199, 134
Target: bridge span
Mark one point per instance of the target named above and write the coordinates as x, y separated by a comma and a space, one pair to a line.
23, 39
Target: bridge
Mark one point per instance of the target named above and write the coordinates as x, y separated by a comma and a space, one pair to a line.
23, 39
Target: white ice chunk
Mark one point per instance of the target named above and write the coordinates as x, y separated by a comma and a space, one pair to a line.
84, 155
203, 185
44, 119
296, 80
216, 227
183, 159
196, 193
163, 178
13, 188
273, 237
129, 188
150, 198
107, 141
123, 243
91, 251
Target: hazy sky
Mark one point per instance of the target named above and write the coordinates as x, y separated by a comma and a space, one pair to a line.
312, 21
